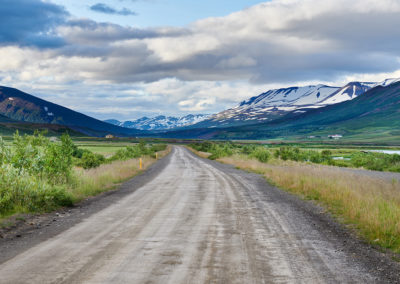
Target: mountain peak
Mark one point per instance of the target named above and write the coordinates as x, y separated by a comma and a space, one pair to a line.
160, 122
274, 103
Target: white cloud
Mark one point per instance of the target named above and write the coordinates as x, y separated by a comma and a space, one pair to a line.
214, 62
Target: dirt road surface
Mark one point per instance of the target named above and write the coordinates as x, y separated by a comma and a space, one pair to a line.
197, 222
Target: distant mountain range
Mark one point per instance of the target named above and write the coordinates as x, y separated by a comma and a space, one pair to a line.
22, 107
357, 109
274, 104
374, 114
160, 122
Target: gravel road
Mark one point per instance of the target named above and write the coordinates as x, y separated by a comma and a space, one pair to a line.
197, 221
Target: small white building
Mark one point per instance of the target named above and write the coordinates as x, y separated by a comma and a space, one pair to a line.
335, 136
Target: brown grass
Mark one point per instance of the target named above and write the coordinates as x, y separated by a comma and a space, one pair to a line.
370, 205
107, 176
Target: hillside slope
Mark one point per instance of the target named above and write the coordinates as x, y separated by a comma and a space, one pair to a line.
23, 107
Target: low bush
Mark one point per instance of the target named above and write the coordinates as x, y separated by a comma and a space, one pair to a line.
21, 191
261, 154
90, 160
295, 154
39, 157
137, 151
217, 150
376, 161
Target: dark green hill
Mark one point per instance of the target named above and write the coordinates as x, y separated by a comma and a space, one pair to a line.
5, 119
22, 107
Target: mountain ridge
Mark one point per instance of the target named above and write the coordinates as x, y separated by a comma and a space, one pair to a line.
23, 107
160, 122
375, 114
277, 103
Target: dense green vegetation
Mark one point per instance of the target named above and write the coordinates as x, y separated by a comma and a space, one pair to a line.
354, 158
36, 172
295, 154
33, 173
376, 161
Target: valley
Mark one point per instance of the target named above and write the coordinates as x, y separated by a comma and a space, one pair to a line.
218, 142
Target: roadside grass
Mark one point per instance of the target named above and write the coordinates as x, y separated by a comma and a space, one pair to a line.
370, 206
93, 181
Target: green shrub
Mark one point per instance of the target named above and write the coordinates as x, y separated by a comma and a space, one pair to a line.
371, 161
295, 154
261, 154
40, 157
248, 149
202, 147
220, 150
128, 153
90, 160
20, 190
157, 147
137, 151
78, 152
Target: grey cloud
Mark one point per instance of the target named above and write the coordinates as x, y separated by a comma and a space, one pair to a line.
104, 8
257, 45
84, 31
362, 32
31, 23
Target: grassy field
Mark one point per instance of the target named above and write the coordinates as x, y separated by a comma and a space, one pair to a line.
105, 150
369, 206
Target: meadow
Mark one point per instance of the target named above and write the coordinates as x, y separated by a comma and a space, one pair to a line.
39, 174
367, 205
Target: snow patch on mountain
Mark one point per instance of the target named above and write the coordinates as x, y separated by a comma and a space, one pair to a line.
387, 82
160, 122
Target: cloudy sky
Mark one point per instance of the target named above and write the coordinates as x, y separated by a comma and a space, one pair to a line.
128, 58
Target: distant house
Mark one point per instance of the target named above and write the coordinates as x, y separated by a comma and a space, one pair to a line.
335, 136
110, 136
54, 139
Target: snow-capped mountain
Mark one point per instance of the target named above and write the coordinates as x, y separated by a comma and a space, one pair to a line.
386, 82
160, 122
275, 103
